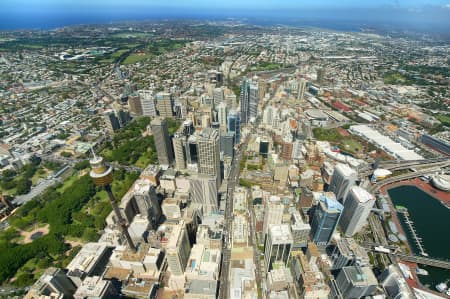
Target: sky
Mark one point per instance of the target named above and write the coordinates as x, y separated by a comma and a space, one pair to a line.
52, 13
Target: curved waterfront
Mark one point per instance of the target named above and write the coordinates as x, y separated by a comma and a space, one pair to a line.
431, 221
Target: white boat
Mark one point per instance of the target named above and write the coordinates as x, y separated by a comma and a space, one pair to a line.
420, 271
442, 287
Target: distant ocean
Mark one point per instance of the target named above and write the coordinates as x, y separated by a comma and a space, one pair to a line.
345, 20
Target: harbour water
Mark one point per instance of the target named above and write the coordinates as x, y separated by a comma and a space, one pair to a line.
431, 221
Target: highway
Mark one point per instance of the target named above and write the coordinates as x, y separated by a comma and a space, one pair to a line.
40, 187
73, 161
429, 261
374, 188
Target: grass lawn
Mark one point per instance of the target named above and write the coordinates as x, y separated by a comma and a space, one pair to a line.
143, 161
118, 53
67, 183
444, 119
134, 58
352, 146
40, 174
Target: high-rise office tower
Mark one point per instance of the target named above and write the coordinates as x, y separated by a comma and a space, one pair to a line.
325, 218
192, 150
147, 201
268, 115
230, 100
222, 114
320, 75
357, 208
162, 141
356, 282
234, 125
261, 89
188, 127
218, 96
273, 212
179, 141
164, 104
208, 142
227, 144
147, 101
348, 253
178, 249
278, 245
203, 192
124, 117
342, 180
300, 231
301, 89
253, 100
111, 121
244, 100
134, 104
54, 283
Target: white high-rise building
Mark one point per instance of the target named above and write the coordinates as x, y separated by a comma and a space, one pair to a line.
301, 89
278, 245
273, 212
222, 114
178, 248
268, 115
300, 230
208, 142
203, 192
342, 180
218, 96
357, 208
254, 100
147, 102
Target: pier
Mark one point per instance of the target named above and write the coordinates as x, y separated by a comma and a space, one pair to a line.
410, 225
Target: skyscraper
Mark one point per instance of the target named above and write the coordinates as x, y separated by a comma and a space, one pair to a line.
147, 102
234, 125
300, 230
203, 192
342, 180
357, 208
134, 104
356, 282
162, 141
253, 100
301, 89
178, 248
164, 104
278, 245
208, 143
348, 253
111, 121
245, 100
179, 141
147, 201
222, 114
325, 218
227, 144
273, 212
218, 96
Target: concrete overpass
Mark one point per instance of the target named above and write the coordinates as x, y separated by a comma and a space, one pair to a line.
393, 250
374, 188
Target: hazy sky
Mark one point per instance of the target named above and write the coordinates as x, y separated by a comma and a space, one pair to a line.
232, 4
53, 13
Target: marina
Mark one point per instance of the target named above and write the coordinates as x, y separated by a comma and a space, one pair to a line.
410, 224
429, 219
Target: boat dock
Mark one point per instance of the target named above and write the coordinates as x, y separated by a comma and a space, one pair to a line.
410, 224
